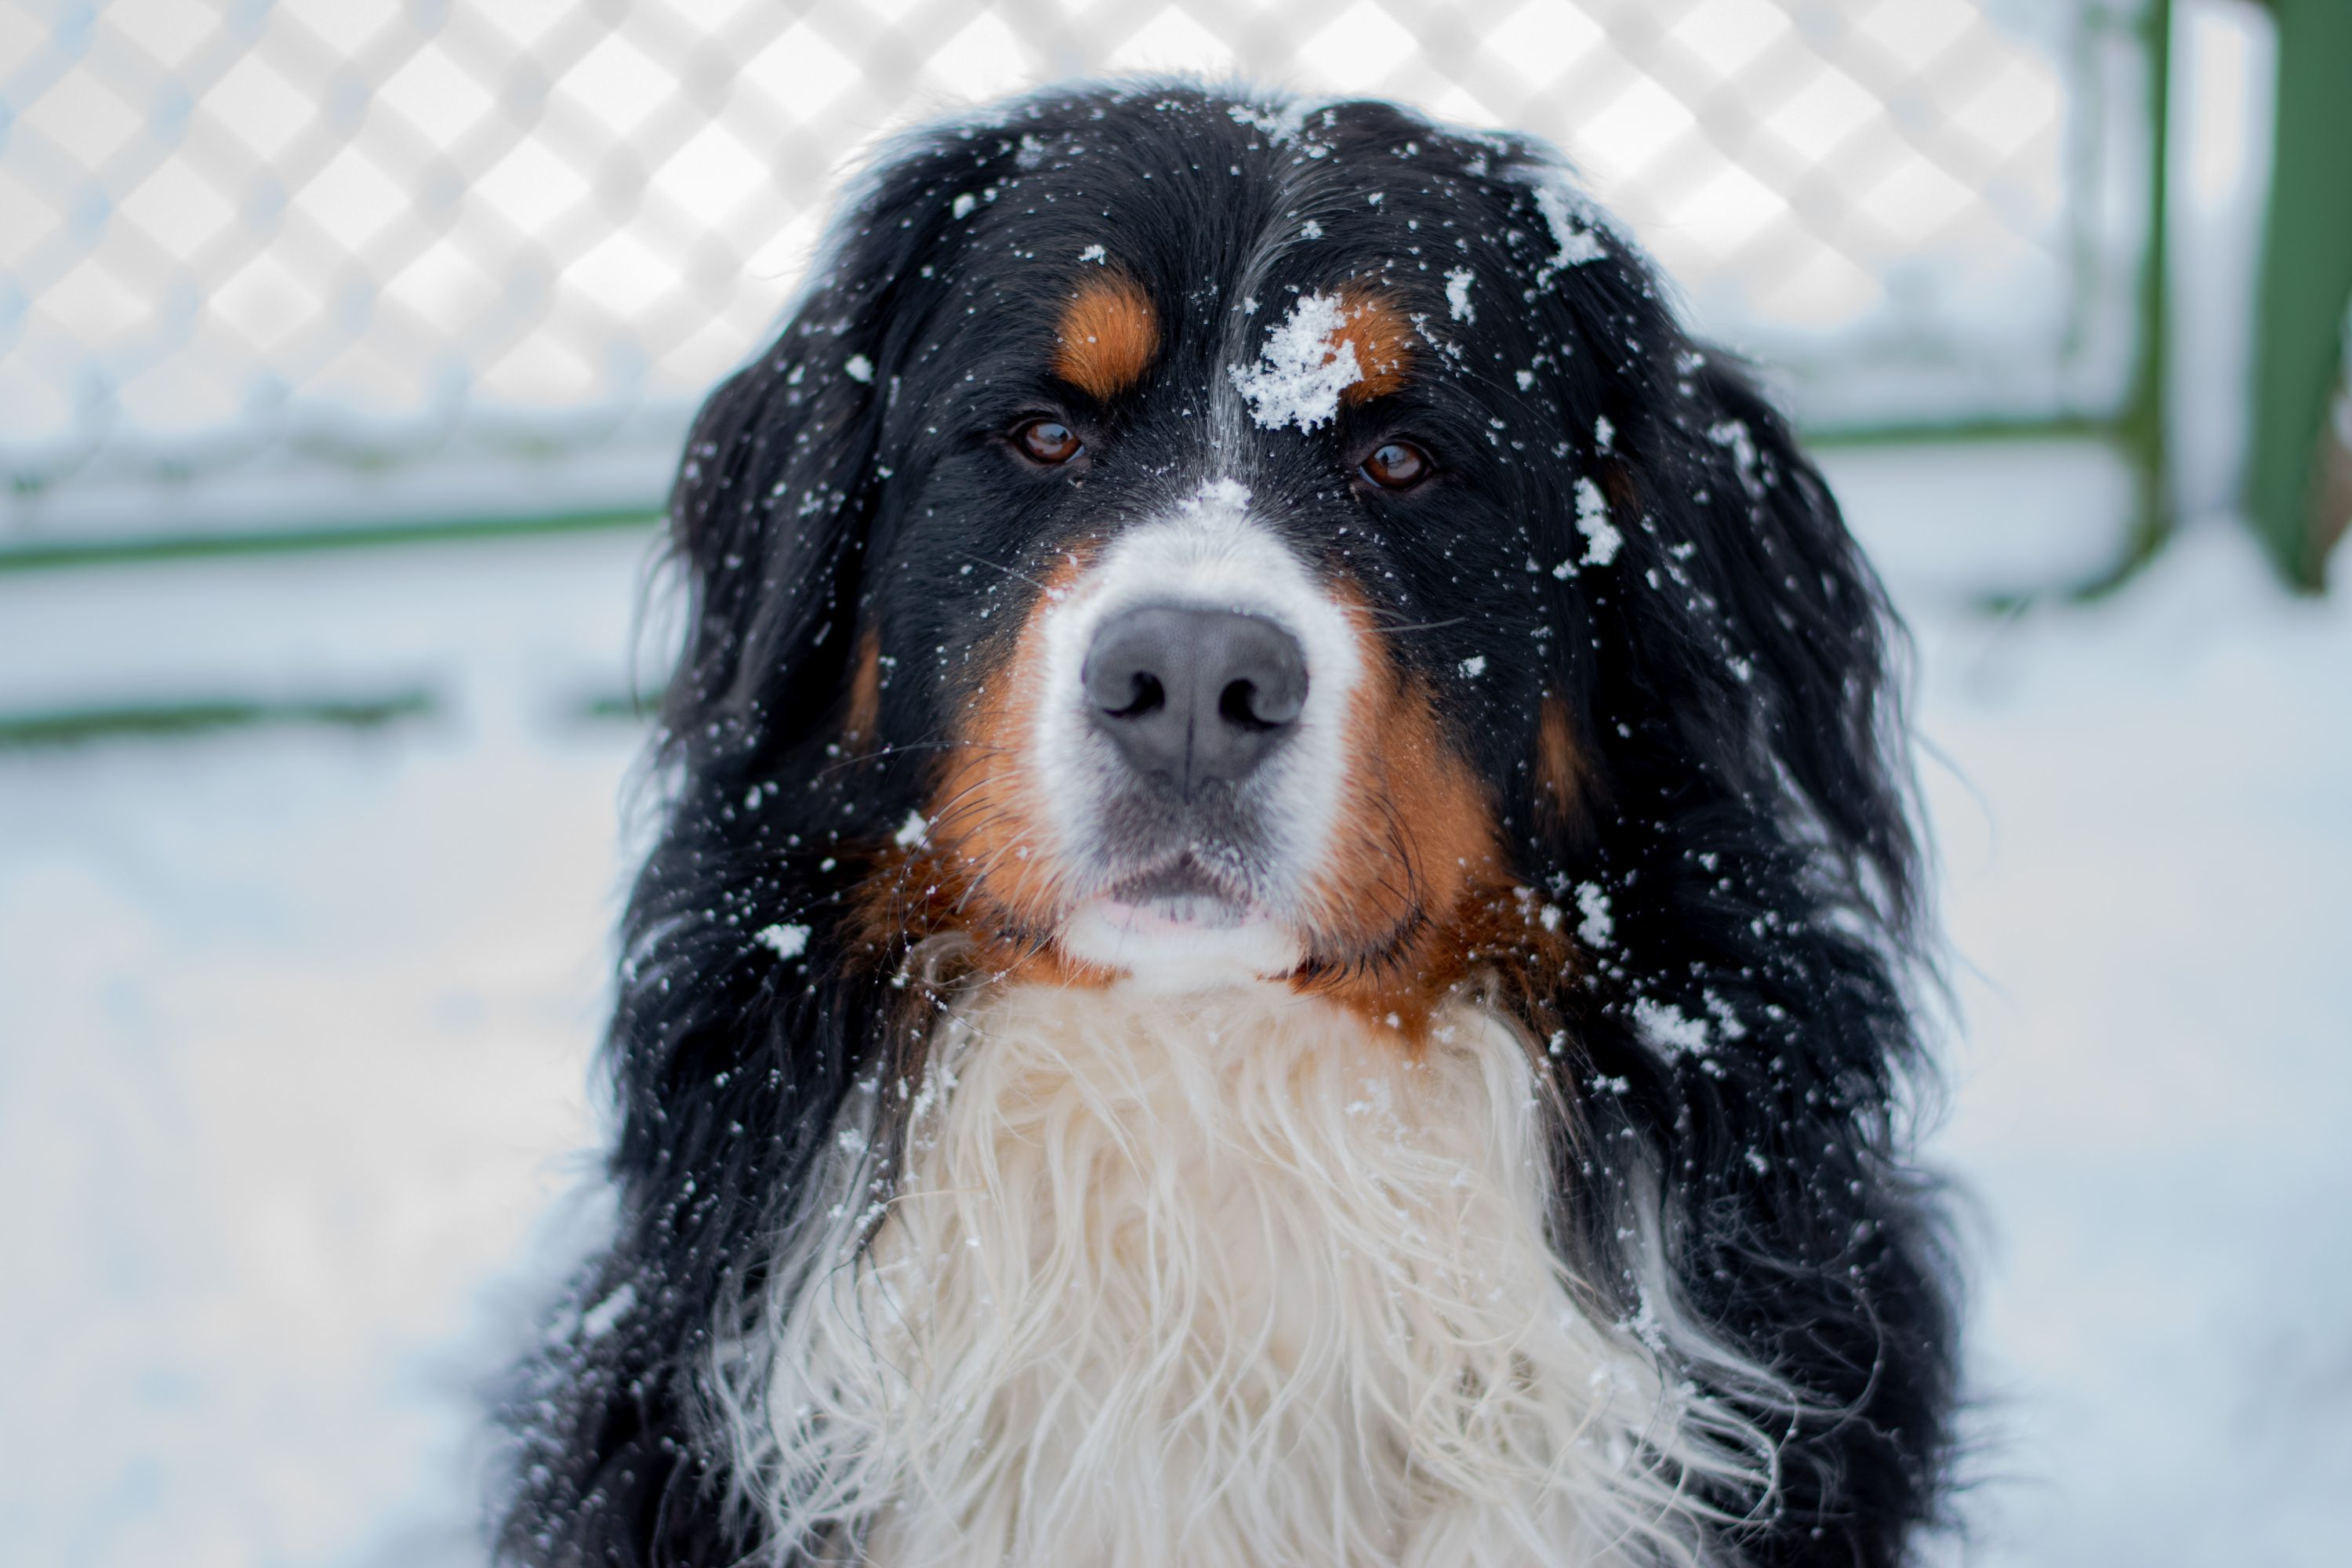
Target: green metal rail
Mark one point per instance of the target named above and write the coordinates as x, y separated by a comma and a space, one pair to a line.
52, 554
156, 720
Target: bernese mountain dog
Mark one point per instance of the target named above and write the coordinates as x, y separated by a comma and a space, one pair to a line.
1286, 927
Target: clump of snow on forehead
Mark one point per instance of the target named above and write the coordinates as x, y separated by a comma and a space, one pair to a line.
1304, 367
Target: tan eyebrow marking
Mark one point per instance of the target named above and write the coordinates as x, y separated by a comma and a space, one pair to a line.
1383, 336
1108, 335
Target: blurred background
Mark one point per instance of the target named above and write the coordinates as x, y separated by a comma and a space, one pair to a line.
346, 347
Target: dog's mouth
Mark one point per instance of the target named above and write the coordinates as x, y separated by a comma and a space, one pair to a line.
1183, 921
1185, 892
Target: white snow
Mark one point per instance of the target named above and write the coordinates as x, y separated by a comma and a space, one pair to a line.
1595, 926
1571, 217
1457, 300
1304, 367
783, 941
2149, 876
1095, 254
859, 367
293, 1064
1602, 539
1669, 1031
1278, 125
1734, 436
605, 1316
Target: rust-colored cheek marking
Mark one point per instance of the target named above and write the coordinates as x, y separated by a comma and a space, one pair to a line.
1383, 338
1413, 879
987, 819
863, 717
989, 869
1108, 335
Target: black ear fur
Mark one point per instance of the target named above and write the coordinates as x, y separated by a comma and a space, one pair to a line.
1745, 1037
1746, 631
1822, 643
766, 517
776, 500
728, 1059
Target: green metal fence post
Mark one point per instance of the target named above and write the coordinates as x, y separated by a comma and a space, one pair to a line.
2143, 425
2306, 278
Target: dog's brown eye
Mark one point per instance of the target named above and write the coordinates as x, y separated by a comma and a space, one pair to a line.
1397, 465
1048, 441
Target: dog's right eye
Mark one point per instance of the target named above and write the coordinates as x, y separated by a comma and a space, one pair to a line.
1048, 441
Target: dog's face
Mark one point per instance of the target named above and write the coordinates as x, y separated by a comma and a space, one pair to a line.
1206, 523
1198, 490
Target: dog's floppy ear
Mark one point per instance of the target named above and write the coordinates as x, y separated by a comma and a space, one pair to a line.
1749, 643
1752, 639
1767, 640
1808, 638
784, 472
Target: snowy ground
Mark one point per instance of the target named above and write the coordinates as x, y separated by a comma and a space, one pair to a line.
293, 1028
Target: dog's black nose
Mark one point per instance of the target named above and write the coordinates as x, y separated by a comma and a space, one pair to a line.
1192, 696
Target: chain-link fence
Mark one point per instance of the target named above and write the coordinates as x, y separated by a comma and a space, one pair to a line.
327, 261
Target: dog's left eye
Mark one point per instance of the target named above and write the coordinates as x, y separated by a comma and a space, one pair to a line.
1049, 441
1397, 465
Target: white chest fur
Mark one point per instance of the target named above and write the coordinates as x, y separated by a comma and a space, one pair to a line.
1223, 1279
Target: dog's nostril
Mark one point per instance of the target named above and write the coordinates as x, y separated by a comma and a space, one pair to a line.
1235, 706
1193, 695
1272, 701
1145, 693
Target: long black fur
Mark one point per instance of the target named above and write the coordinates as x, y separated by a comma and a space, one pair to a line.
1744, 811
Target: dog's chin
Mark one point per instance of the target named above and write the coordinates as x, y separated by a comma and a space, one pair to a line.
1179, 929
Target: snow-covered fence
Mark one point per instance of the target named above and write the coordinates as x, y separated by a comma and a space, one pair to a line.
325, 264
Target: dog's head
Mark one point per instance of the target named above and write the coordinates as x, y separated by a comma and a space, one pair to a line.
1184, 534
